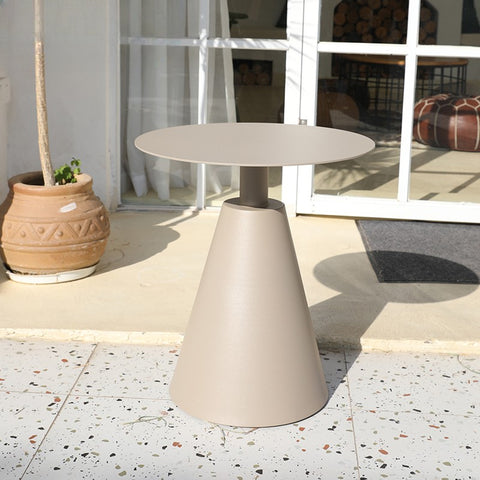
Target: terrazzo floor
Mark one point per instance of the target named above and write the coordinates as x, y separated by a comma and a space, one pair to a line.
87, 411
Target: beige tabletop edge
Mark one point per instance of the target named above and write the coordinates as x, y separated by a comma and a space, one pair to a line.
254, 144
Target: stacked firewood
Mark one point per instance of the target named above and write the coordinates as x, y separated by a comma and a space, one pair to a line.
380, 21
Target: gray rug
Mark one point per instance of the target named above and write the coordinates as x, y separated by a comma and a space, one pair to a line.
422, 252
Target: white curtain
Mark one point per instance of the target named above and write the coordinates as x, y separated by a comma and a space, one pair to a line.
163, 87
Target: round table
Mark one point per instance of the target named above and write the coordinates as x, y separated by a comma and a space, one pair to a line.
249, 356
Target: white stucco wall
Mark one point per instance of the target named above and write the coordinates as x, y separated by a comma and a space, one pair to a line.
3, 105
81, 82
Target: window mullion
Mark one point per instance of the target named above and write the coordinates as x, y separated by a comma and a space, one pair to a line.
202, 91
408, 100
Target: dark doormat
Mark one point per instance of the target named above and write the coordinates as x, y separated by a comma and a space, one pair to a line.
422, 252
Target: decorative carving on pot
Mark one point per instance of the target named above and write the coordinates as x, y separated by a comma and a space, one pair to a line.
52, 229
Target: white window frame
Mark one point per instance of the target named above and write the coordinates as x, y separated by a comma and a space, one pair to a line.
402, 207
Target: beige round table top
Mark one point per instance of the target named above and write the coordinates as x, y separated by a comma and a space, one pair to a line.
254, 144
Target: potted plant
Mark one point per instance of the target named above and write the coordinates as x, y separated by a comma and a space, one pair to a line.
53, 227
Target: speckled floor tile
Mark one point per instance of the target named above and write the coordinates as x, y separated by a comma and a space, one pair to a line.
410, 445
471, 363
41, 367
136, 371
145, 371
335, 371
105, 438
414, 383
388, 416
25, 419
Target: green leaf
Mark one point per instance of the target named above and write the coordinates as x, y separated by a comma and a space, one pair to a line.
65, 174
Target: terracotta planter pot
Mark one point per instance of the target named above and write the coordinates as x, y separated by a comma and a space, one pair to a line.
47, 230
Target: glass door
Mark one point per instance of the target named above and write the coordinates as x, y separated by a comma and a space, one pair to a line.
406, 74
204, 61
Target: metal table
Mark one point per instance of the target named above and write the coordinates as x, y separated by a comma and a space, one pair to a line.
249, 356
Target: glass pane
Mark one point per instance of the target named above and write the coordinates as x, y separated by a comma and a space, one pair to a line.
159, 18
159, 89
372, 21
259, 89
361, 93
385, 21
456, 24
445, 153
259, 78
373, 175
254, 19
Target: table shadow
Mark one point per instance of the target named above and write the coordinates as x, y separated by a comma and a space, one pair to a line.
361, 298
135, 238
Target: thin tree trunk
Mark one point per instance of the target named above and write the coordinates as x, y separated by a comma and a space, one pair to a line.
42, 122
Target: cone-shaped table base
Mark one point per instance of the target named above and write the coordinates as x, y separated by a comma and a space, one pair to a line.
249, 356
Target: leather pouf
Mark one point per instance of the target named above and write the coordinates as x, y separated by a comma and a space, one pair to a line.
448, 121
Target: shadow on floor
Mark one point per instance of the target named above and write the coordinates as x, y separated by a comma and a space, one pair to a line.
135, 238
361, 297
344, 318
3, 275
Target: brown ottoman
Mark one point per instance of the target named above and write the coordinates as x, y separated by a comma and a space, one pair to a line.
448, 121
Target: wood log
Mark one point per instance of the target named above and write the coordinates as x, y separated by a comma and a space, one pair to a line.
339, 18
381, 33
342, 8
362, 27
366, 13
376, 21
393, 4
384, 13
430, 27
352, 16
399, 14
249, 78
395, 35
380, 21
263, 79
338, 31
387, 23
425, 14
243, 68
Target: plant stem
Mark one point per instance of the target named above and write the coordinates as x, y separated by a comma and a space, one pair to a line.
41, 97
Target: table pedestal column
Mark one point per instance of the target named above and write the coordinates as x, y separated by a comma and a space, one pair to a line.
254, 186
249, 356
